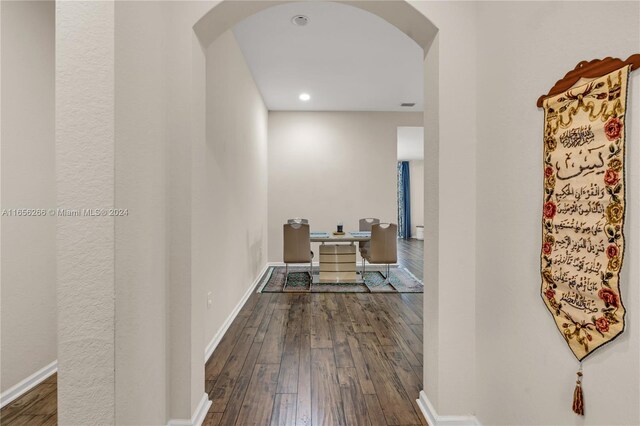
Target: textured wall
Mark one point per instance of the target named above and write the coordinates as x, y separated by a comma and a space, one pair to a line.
85, 179
28, 311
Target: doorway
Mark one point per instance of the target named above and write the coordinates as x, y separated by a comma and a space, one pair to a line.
411, 197
288, 357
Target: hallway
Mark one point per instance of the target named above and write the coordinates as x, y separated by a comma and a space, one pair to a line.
153, 152
304, 359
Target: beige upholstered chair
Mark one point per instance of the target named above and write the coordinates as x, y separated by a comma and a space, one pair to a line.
365, 225
384, 246
297, 247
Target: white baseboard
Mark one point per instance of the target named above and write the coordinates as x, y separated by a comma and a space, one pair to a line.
27, 384
434, 419
198, 415
215, 341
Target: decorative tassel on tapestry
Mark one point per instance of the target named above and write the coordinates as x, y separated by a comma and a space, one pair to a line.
578, 398
583, 214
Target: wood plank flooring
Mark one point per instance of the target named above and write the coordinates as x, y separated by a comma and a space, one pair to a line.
326, 359
303, 359
411, 256
36, 407
322, 358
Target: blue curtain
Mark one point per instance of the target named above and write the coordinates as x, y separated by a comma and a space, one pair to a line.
404, 201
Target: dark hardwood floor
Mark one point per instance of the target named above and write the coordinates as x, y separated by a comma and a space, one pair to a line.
322, 358
304, 359
411, 256
36, 407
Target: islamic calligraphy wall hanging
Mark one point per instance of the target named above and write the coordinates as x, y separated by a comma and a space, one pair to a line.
583, 212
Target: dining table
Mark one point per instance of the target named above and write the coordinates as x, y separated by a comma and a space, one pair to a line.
338, 256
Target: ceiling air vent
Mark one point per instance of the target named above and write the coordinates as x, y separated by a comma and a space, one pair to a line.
408, 104
300, 20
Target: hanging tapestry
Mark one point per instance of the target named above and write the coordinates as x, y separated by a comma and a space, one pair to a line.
583, 211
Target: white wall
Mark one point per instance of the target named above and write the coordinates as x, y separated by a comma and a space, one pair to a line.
450, 194
140, 242
525, 371
28, 311
230, 184
416, 178
332, 166
160, 95
185, 126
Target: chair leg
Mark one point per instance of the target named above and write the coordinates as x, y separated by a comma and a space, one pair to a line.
286, 275
310, 272
386, 278
364, 275
382, 275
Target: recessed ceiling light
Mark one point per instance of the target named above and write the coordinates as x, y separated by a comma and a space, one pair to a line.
300, 20
304, 97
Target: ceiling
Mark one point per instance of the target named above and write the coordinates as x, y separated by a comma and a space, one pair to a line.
346, 58
410, 143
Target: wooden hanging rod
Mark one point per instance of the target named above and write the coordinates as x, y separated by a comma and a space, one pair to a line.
590, 69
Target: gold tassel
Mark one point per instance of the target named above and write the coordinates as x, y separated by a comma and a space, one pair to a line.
578, 401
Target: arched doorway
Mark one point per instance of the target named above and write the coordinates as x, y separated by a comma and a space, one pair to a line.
400, 14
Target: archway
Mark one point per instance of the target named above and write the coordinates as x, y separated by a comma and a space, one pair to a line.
398, 13
405, 17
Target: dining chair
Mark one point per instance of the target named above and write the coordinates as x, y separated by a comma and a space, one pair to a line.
384, 246
365, 225
297, 247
